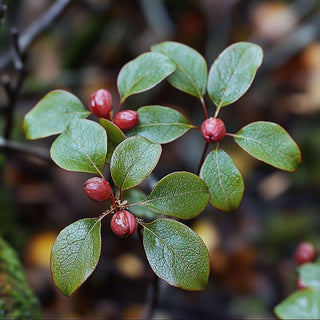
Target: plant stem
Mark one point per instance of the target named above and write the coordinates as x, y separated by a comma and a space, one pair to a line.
202, 157
38, 27
217, 111
24, 149
204, 108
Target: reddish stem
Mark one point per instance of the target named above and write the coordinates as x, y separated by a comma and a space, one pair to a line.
202, 157
204, 108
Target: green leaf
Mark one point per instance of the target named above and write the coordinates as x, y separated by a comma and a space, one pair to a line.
223, 179
133, 160
191, 73
143, 73
270, 143
176, 254
160, 124
115, 136
140, 211
75, 254
310, 275
179, 194
52, 114
303, 304
232, 73
81, 147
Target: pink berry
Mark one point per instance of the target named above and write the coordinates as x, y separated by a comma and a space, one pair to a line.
300, 285
101, 103
126, 120
97, 189
305, 252
123, 223
213, 130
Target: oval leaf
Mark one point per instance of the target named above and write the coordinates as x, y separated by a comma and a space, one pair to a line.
223, 179
179, 194
81, 147
303, 304
191, 73
310, 275
143, 73
270, 143
75, 254
115, 136
176, 254
233, 71
160, 124
52, 114
133, 160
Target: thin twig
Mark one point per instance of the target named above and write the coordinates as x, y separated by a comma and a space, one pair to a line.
24, 149
12, 90
38, 27
204, 152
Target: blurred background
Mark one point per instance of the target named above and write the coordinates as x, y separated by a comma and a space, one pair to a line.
80, 46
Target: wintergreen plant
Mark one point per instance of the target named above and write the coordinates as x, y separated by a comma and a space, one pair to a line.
304, 303
174, 251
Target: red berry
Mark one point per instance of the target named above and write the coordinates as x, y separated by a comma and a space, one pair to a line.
126, 120
305, 252
213, 130
101, 103
300, 285
123, 223
97, 189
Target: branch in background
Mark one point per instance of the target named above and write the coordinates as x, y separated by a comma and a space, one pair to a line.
3, 9
38, 27
12, 90
21, 148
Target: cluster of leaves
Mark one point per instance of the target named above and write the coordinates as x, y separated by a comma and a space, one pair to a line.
303, 304
175, 252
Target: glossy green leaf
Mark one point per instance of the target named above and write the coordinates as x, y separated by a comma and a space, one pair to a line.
140, 211
310, 275
233, 71
133, 160
75, 254
143, 73
52, 114
270, 143
176, 254
303, 304
223, 179
81, 147
115, 136
179, 194
191, 73
160, 124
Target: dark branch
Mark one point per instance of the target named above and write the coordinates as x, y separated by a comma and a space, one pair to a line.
12, 90
38, 27
23, 149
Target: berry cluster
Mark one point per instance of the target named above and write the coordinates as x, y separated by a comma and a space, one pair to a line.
305, 252
101, 105
123, 222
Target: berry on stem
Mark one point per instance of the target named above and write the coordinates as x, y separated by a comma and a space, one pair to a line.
123, 223
126, 120
101, 103
305, 252
213, 130
97, 189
